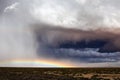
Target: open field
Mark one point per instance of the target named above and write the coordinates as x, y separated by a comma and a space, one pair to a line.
59, 73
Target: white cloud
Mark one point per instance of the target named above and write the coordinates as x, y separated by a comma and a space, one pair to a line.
11, 7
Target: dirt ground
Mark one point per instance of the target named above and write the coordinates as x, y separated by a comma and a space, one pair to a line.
59, 73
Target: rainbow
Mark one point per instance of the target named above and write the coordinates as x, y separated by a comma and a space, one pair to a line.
32, 63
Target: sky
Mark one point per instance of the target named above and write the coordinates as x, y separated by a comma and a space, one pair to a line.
59, 33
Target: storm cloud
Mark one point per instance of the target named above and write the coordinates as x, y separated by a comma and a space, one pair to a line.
87, 46
70, 30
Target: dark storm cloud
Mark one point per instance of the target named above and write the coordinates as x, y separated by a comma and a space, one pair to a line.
86, 46
86, 55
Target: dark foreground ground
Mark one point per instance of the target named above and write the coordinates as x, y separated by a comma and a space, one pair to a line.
59, 73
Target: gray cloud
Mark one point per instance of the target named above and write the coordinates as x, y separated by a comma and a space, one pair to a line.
51, 38
87, 55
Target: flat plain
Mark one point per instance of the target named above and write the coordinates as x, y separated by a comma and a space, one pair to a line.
59, 73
